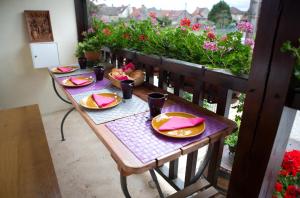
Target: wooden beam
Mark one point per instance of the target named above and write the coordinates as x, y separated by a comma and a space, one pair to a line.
81, 17
267, 91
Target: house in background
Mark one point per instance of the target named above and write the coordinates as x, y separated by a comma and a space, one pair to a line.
200, 15
237, 14
108, 14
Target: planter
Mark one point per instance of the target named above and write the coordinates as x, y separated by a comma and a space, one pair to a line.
92, 55
82, 62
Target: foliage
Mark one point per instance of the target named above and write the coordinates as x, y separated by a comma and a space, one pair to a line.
232, 139
188, 42
80, 50
164, 21
288, 180
220, 14
295, 52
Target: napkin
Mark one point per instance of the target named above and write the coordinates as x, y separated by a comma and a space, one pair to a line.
64, 69
78, 81
176, 122
121, 78
102, 101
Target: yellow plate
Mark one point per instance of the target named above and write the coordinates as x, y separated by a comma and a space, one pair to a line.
179, 133
68, 83
89, 103
56, 71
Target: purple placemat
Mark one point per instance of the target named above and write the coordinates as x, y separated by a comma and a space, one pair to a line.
136, 133
92, 87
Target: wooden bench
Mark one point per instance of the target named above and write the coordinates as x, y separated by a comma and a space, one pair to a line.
26, 168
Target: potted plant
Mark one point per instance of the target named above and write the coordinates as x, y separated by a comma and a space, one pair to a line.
231, 142
79, 53
92, 48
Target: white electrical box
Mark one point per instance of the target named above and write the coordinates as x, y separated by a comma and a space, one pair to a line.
44, 54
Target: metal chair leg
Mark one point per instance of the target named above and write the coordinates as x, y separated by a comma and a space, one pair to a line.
62, 124
124, 186
153, 175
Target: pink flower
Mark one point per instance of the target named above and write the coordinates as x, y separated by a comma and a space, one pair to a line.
91, 30
245, 26
185, 22
249, 42
153, 21
196, 26
211, 46
224, 38
208, 28
183, 29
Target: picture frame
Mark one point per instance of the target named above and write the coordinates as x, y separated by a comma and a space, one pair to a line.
38, 25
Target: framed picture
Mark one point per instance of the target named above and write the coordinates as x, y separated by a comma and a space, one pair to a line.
38, 26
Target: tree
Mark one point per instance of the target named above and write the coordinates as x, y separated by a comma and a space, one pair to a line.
220, 14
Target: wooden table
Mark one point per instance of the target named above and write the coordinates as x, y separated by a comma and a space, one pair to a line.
26, 168
129, 164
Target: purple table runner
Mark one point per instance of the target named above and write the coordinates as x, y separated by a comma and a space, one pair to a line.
136, 133
92, 87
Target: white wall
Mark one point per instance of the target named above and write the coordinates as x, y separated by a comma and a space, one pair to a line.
20, 84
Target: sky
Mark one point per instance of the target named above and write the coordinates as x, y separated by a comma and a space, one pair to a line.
176, 4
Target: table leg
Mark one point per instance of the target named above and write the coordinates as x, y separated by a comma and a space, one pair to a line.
54, 87
153, 175
190, 168
123, 181
173, 169
62, 124
215, 161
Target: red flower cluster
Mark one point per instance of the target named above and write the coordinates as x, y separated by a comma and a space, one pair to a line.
196, 27
291, 162
211, 35
142, 37
126, 36
106, 31
287, 185
185, 22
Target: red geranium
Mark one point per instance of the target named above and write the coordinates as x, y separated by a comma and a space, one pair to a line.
126, 36
288, 181
290, 192
142, 37
196, 27
278, 187
211, 35
185, 22
106, 31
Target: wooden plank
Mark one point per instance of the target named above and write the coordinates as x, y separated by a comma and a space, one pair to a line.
189, 190
81, 17
268, 85
211, 191
190, 169
26, 168
173, 169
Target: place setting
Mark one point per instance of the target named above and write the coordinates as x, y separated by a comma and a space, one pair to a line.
165, 129
64, 69
110, 103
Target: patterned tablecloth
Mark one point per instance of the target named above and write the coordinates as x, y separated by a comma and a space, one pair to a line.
92, 87
129, 107
136, 133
